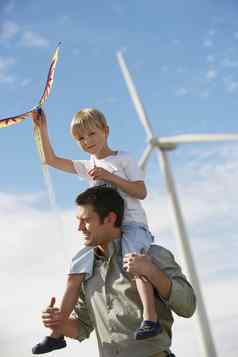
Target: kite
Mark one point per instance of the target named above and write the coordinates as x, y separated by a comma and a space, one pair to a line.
48, 86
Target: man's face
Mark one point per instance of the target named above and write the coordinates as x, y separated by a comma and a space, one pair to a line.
94, 232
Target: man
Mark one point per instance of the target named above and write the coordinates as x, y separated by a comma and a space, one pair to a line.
109, 302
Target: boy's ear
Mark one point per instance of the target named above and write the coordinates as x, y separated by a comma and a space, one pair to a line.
107, 131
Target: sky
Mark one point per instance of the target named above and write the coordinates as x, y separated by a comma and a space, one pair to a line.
183, 57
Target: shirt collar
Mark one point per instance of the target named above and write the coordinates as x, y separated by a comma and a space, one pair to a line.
114, 247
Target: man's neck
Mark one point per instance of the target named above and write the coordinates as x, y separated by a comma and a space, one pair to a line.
103, 247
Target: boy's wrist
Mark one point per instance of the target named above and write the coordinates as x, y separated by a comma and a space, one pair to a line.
151, 270
112, 178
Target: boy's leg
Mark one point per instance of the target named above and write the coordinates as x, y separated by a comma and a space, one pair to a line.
137, 238
146, 292
150, 326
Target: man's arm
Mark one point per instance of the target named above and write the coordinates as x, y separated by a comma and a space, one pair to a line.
160, 268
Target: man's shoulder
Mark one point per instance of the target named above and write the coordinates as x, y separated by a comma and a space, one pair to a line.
160, 253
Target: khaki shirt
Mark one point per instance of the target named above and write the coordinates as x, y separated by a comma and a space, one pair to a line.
110, 305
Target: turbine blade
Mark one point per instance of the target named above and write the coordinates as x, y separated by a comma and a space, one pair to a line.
196, 138
145, 156
134, 95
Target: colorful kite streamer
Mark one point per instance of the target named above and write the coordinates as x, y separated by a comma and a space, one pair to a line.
19, 118
49, 83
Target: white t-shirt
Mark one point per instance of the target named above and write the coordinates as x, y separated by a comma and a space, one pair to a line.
120, 164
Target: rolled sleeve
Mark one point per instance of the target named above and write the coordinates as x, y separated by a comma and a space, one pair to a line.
131, 168
81, 315
182, 299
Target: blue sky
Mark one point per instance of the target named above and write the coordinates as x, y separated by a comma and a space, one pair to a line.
183, 57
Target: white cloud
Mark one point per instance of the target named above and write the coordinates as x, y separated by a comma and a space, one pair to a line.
33, 39
180, 69
76, 51
212, 32
231, 85
210, 58
5, 64
227, 62
208, 43
211, 74
204, 93
118, 8
164, 68
8, 30
63, 20
108, 100
7, 79
25, 82
176, 42
181, 92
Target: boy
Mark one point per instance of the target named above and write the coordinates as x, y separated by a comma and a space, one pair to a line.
105, 167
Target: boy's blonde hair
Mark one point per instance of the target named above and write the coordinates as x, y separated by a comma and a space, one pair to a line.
87, 119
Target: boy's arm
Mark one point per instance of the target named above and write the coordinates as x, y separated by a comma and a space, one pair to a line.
134, 185
134, 189
50, 158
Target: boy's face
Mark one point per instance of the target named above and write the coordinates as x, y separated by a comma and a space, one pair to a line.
94, 231
93, 140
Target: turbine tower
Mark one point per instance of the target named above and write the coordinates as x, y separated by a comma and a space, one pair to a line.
162, 145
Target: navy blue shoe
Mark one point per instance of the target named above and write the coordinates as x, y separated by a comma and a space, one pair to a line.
147, 329
49, 344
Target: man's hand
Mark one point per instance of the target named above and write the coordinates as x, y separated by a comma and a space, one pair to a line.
52, 316
137, 264
98, 173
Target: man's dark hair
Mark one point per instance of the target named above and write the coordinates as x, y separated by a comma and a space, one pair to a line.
104, 200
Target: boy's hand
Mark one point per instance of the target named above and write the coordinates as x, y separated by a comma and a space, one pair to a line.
137, 264
98, 173
52, 316
39, 118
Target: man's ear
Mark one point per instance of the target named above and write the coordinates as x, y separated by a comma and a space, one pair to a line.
111, 218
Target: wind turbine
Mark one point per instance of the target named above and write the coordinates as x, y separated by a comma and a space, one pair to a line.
162, 145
